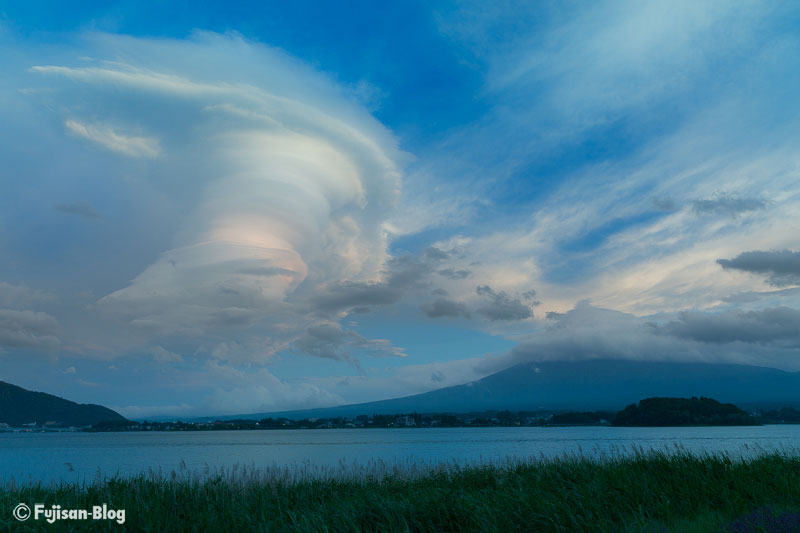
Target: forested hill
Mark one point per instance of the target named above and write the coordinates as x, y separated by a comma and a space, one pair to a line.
20, 406
683, 412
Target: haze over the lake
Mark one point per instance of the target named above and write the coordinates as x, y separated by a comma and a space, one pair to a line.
303, 204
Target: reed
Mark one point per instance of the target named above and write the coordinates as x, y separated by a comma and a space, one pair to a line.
639, 490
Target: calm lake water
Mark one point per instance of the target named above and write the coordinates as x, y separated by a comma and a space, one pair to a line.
57, 457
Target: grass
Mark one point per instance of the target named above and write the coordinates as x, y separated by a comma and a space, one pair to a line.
648, 491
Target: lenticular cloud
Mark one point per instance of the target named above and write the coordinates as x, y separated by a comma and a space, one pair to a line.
280, 180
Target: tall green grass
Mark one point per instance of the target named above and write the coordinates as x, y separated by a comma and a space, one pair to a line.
646, 491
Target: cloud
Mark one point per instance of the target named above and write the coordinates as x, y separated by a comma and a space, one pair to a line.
495, 306
745, 297
112, 140
134, 412
764, 326
275, 183
28, 330
342, 295
409, 379
80, 209
437, 254
238, 392
742, 297
328, 340
768, 337
454, 274
163, 355
272, 197
215, 387
500, 306
781, 267
402, 274
625, 124
255, 349
22, 296
724, 204
664, 204
444, 307
640, 54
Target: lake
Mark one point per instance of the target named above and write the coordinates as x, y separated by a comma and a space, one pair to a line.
49, 457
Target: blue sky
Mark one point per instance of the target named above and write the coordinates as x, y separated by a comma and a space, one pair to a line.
217, 208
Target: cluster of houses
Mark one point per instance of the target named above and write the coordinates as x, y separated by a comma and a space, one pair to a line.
504, 418
35, 427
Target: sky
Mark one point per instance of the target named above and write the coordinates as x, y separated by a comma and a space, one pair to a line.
214, 208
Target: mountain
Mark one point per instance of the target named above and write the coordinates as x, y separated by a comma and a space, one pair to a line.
19, 406
600, 384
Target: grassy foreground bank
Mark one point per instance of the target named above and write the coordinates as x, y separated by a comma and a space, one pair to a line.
651, 491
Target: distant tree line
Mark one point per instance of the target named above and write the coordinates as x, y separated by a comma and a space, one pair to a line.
649, 412
583, 418
786, 415
405, 420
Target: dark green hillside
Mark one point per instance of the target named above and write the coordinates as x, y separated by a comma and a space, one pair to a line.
683, 412
19, 406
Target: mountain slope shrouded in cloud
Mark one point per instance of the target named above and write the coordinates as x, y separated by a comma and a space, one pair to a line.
19, 406
599, 384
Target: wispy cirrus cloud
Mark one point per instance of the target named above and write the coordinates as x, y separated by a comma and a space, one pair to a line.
110, 139
80, 209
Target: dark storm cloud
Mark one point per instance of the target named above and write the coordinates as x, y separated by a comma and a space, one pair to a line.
436, 254
765, 326
493, 305
530, 297
347, 294
781, 267
402, 273
727, 205
454, 274
443, 307
232, 317
79, 209
408, 271
500, 306
328, 340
